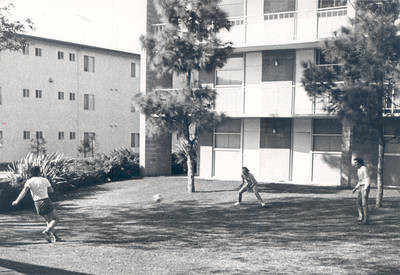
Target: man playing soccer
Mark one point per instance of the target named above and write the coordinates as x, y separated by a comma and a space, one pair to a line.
39, 188
249, 183
363, 187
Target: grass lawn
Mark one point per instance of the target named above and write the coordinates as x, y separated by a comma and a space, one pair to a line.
116, 228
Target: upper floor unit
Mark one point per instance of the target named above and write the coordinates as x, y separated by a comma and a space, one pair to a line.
269, 24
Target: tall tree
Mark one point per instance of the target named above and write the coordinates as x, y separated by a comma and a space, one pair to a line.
187, 44
369, 55
9, 30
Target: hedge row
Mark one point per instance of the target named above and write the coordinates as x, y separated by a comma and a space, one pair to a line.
66, 174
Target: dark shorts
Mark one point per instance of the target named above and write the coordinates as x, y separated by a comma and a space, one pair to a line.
44, 206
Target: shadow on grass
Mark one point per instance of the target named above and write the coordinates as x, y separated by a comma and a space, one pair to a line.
299, 189
34, 269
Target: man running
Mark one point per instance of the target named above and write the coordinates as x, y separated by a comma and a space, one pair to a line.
39, 188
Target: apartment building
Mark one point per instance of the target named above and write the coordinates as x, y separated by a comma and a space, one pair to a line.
67, 94
275, 128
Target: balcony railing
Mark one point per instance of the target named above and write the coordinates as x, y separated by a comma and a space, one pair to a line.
284, 27
278, 98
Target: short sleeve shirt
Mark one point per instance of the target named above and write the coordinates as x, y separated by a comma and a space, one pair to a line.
38, 187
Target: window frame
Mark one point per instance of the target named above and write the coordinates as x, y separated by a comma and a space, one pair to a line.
87, 106
135, 140
26, 135
38, 52
72, 57
87, 65
72, 96
25, 92
314, 135
38, 93
60, 55
224, 69
217, 134
61, 135
60, 95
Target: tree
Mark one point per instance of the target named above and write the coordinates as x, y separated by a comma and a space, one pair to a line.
369, 55
9, 30
187, 44
38, 146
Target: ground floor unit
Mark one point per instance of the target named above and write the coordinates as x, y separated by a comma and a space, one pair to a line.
295, 150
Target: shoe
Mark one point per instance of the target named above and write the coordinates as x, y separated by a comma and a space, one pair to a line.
263, 205
56, 237
237, 203
47, 236
360, 219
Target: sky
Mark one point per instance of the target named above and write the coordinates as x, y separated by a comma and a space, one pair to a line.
114, 24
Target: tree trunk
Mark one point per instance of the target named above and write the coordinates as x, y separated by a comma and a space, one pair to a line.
190, 174
379, 179
347, 151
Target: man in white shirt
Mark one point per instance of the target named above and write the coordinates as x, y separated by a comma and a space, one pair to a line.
363, 187
39, 188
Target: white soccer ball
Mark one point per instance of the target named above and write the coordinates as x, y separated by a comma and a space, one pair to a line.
157, 198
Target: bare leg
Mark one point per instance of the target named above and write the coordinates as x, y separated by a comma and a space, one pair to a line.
241, 191
255, 190
364, 198
359, 206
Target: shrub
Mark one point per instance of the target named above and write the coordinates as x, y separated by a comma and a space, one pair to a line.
122, 164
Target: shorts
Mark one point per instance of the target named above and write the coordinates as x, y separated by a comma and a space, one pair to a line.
44, 206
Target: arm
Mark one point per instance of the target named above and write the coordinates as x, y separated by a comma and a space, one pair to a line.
50, 189
21, 195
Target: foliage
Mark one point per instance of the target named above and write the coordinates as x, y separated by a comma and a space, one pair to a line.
54, 167
369, 54
38, 146
9, 38
121, 164
87, 147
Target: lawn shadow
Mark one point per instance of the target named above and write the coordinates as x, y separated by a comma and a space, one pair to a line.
280, 188
26, 268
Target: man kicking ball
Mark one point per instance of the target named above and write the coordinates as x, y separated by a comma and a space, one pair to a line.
39, 188
249, 183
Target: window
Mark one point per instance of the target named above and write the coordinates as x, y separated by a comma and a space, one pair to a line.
61, 95
1, 138
88, 102
278, 65
1, 102
233, 8
72, 135
60, 55
60, 135
232, 72
39, 135
331, 3
327, 135
227, 135
275, 133
27, 135
88, 63
332, 64
71, 57
89, 143
38, 52
133, 69
38, 93
25, 49
276, 6
71, 96
25, 92
135, 140
392, 135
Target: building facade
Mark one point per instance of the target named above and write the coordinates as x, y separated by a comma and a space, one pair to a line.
70, 95
275, 128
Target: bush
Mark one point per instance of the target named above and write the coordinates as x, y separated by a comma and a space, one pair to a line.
178, 164
122, 164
